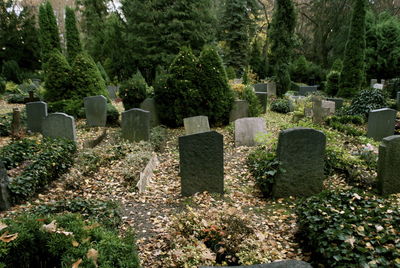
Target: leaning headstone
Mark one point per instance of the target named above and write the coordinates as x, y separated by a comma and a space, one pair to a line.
305, 90
388, 165
373, 82
338, 102
136, 125
5, 202
196, 124
381, 123
277, 264
59, 125
271, 89
96, 111
149, 104
377, 86
240, 109
36, 112
329, 105
248, 129
112, 91
147, 173
201, 163
398, 100
262, 87
262, 98
301, 152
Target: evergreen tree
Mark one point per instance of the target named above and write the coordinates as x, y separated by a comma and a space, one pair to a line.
133, 91
216, 95
353, 72
72, 35
49, 36
257, 59
281, 38
57, 77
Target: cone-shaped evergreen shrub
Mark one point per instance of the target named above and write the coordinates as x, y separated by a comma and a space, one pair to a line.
133, 91
216, 94
72, 35
49, 36
57, 77
86, 78
11, 71
332, 83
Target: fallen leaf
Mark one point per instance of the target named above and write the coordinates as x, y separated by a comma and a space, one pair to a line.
2, 226
351, 241
51, 227
93, 255
75, 243
8, 238
76, 264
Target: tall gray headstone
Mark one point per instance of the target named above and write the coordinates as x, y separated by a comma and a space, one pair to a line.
301, 152
248, 129
388, 165
149, 104
338, 102
398, 100
271, 89
201, 163
59, 125
262, 98
305, 90
96, 111
318, 112
262, 87
196, 124
136, 125
5, 202
381, 123
240, 109
36, 112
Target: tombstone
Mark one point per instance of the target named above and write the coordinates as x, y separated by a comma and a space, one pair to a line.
16, 123
36, 112
149, 104
305, 90
308, 112
383, 82
271, 89
5, 202
261, 87
381, 123
112, 91
196, 124
59, 125
318, 112
388, 165
338, 102
201, 163
276, 264
373, 82
240, 109
301, 152
136, 125
262, 98
398, 100
329, 105
248, 129
96, 111
147, 173
377, 86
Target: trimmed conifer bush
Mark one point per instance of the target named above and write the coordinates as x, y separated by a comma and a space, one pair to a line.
2, 85
11, 71
72, 35
49, 35
332, 83
133, 91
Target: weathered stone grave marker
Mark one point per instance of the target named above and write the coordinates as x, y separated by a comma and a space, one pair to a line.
59, 125
261, 87
381, 123
16, 123
196, 124
248, 129
201, 163
318, 112
96, 111
136, 125
5, 202
373, 82
305, 90
271, 89
301, 152
388, 165
149, 104
147, 173
240, 109
36, 112
338, 102
330, 105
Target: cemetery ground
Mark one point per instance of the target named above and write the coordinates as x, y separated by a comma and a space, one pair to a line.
204, 229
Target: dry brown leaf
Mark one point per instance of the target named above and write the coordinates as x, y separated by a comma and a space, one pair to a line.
93, 255
51, 227
3, 225
8, 238
76, 264
75, 243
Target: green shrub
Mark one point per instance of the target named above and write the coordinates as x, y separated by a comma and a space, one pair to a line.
5, 123
332, 83
103, 73
133, 91
280, 106
367, 100
73, 107
302, 70
250, 96
158, 138
230, 72
264, 167
351, 229
62, 240
343, 124
17, 152
112, 115
392, 87
11, 72
2, 85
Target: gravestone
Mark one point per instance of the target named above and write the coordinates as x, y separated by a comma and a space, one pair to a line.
36, 112
398, 100
5, 202
147, 173
338, 102
271, 89
261, 87
196, 124
305, 90
248, 129
149, 104
377, 86
136, 125
329, 105
96, 111
308, 112
262, 98
113, 91
59, 125
277, 264
318, 112
201, 163
240, 109
16, 123
381, 123
373, 82
388, 165
301, 152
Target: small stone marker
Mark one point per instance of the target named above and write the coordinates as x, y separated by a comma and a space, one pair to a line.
201, 163
276, 264
96, 111
373, 82
398, 100
301, 152
147, 173
381, 123
36, 112
136, 125
377, 86
149, 104
196, 124
248, 129
388, 165
329, 105
338, 102
59, 125
5, 202
16, 123
305, 90
240, 109
262, 87
262, 98
318, 112
271, 89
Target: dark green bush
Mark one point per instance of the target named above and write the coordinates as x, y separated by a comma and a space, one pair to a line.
392, 86
264, 167
280, 106
133, 91
332, 83
11, 72
230, 72
343, 124
5, 123
103, 73
70, 240
302, 70
158, 137
367, 100
73, 107
351, 229
2, 85
17, 152
112, 115
250, 96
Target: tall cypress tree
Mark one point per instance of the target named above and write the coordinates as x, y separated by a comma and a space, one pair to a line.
49, 36
353, 72
281, 39
72, 35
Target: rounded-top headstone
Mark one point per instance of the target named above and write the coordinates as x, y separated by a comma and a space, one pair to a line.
96, 110
381, 123
196, 124
248, 129
59, 125
36, 112
135, 125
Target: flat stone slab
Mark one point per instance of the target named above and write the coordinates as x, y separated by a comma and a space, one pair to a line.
147, 173
196, 124
248, 129
388, 165
96, 111
240, 109
36, 112
201, 163
381, 123
149, 104
59, 125
135, 125
278, 264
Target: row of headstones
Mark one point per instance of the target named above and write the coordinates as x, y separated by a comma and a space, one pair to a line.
301, 152
270, 89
